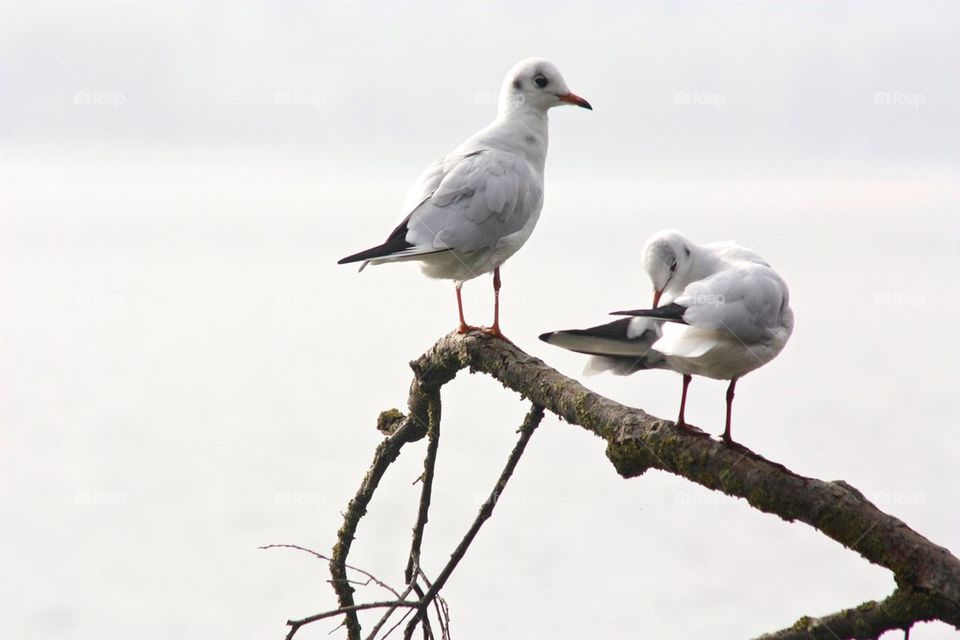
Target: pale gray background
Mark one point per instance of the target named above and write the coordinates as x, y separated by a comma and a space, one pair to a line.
186, 374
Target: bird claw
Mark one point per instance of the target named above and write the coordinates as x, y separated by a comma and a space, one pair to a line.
467, 328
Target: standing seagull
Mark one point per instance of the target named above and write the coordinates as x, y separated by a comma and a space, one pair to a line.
726, 313
475, 207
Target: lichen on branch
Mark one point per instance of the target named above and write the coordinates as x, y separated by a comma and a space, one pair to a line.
927, 575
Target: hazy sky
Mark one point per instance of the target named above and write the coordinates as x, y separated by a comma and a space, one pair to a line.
186, 374
675, 85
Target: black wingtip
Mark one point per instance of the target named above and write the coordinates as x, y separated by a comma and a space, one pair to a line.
381, 251
357, 257
546, 336
672, 311
395, 243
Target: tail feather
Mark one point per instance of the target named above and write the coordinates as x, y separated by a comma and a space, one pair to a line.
622, 347
395, 246
389, 248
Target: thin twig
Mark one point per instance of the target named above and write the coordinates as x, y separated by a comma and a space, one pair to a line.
443, 612
530, 423
426, 490
319, 555
412, 570
398, 623
387, 614
343, 611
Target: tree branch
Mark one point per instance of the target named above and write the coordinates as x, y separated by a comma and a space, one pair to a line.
429, 464
927, 575
407, 429
864, 622
412, 572
530, 423
351, 609
320, 556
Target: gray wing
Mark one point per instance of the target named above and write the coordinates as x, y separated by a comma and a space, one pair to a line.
424, 187
482, 197
747, 301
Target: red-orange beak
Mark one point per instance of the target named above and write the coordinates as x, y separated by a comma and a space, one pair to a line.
656, 298
572, 98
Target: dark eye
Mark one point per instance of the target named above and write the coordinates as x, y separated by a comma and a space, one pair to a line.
673, 266
541, 81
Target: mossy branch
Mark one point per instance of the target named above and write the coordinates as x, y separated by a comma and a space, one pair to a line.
927, 575
864, 622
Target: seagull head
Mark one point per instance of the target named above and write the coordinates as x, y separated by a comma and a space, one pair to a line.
667, 257
536, 83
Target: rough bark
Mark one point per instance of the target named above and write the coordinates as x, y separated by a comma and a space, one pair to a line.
864, 622
927, 575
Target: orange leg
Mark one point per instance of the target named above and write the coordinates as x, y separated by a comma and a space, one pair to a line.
681, 422
727, 437
495, 329
683, 401
464, 327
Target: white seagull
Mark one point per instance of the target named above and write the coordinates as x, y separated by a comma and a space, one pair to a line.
726, 313
475, 207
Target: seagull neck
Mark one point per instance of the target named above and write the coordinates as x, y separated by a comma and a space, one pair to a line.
527, 132
702, 263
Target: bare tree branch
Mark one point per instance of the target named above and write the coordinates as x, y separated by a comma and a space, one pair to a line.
426, 491
864, 622
443, 612
412, 572
530, 423
637, 441
409, 429
352, 609
386, 616
320, 556
927, 575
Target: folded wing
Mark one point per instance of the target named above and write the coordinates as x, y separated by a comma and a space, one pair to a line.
485, 196
746, 301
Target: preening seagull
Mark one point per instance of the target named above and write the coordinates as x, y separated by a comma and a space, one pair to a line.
725, 312
475, 207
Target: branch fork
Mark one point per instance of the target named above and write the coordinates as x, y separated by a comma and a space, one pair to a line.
927, 575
